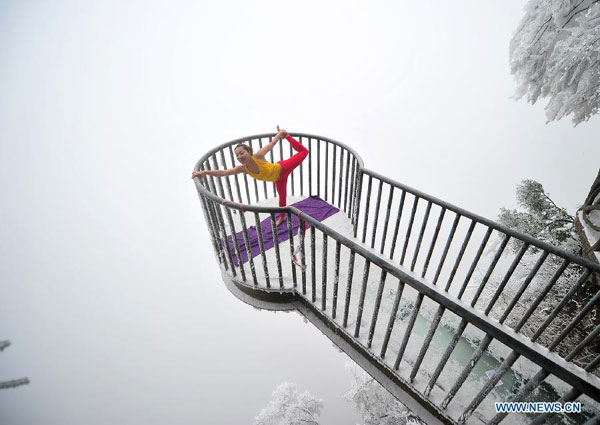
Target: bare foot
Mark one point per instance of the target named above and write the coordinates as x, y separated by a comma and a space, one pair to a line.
278, 222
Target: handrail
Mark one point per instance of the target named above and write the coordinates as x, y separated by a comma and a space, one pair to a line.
487, 222
462, 212
357, 204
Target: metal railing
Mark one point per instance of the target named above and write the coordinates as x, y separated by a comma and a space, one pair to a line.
526, 305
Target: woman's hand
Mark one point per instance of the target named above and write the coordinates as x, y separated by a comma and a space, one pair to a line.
282, 133
200, 174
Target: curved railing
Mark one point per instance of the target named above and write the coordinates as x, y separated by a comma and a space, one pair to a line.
533, 309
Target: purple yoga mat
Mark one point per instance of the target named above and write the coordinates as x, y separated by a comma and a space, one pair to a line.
312, 206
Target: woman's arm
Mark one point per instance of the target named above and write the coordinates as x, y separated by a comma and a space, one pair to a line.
228, 172
281, 134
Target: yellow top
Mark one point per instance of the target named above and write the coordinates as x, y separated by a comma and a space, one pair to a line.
267, 171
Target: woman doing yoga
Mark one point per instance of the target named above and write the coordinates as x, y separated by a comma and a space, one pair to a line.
255, 165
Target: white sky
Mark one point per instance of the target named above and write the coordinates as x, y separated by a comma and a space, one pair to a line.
109, 290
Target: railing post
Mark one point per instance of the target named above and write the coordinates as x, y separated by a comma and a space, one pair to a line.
277, 253
248, 248
346, 182
313, 264
260, 145
291, 241
356, 214
261, 244
324, 273
302, 172
310, 161
516, 338
214, 239
336, 281
236, 244
303, 252
223, 232
350, 210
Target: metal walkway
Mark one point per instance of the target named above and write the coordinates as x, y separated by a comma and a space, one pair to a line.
412, 282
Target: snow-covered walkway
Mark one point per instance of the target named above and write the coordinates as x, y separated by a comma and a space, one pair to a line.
342, 289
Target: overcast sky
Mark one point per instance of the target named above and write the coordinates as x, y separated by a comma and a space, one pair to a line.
109, 290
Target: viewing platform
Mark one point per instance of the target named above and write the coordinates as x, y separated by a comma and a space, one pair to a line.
449, 311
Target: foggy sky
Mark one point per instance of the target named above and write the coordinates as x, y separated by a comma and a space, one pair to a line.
109, 290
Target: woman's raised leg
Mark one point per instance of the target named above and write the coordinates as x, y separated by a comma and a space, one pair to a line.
287, 166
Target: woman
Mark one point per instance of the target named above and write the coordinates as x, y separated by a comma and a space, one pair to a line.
255, 165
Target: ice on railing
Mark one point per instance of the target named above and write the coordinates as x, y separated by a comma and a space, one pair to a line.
436, 244
350, 295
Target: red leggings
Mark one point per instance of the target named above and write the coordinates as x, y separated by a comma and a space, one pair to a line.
287, 166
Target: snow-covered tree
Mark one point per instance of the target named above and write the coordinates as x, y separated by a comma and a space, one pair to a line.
289, 407
15, 382
555, 54
374, 404
541, 218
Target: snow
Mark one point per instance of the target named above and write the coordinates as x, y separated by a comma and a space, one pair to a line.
552, 54
591, 234
369, 280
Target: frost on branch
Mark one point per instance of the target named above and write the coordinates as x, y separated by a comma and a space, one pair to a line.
542, 219
555, 54
289, 407
374, 404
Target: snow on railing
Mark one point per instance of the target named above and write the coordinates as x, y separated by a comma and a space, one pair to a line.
515, 298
